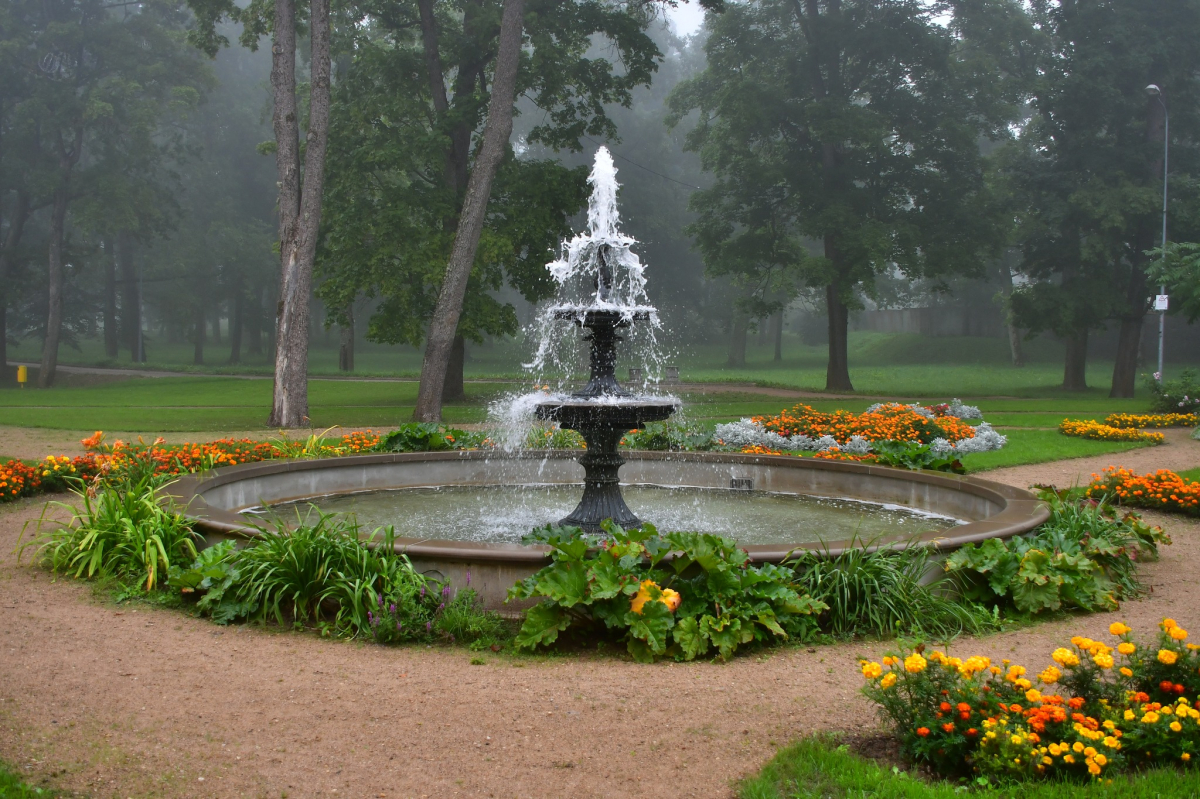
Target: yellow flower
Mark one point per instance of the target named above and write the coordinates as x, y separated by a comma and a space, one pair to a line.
914, 663
1185, 757
1126, 672
1128, 715
1068, 758
1126, 648
1178, 633
1150, 718
1167, 657
1033, 695
1065, 657
888, 680
1176, 726
1100, 760
1168, 624
872, 670
1078, 747
889, 660
1093, 768
1111, 742
1050, 675
1119, 628
1103, 660
1017, 740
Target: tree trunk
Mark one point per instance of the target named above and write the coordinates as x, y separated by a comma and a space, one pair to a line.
443, 327
199, 323
1075, 368
237, 313
837, 372
777, 334
111, 338
58, 222
299, 203
346, 348
16, 227
1129, 344
739, 327
453, 388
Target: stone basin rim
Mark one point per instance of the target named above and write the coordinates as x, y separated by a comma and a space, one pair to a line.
1019, 511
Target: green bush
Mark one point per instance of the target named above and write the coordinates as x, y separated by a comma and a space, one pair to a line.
1181, 395
668, 436
122, 531
1083, 557
679, 594
428, 437
882, 593
914, 455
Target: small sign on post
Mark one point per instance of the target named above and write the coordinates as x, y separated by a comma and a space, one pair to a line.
1160, 302
22, 375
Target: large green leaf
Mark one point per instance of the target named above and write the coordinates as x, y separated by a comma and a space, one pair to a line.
652, 626
542, 625
691, 641
565, 582
607, 581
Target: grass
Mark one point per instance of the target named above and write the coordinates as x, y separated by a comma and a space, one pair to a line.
1043, 446
818, 768
1190, 474
13, 787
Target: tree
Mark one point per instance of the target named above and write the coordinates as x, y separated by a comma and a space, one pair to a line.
863, 110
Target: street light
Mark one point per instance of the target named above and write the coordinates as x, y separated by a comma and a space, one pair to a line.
1156, 93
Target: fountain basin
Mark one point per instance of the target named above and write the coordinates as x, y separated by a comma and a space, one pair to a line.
215, 501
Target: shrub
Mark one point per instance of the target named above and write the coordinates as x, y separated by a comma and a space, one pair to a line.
664, 436
1082, 557
1161, 490
553, 437
679, 594
1175, 396
122, 531
422, 437
881, 592
1116, 706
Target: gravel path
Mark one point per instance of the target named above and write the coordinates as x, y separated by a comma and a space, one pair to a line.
111, 701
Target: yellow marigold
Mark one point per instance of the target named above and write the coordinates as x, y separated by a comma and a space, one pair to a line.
1100, 760
1111, 742
889, 660
1103, 660
1023, 684
1176, 726
1177, 632
1150, 718
1015, 671
1068, 758
1167, 657
1126, 672
1185, 757
1128, 715
915, 663
1064, 657
1077, 747
1126, 648
872, 670
888, 680
1167, 624
1119, 628
1033, 695
1050, 675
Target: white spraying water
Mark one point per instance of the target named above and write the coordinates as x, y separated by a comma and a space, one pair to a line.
596, 270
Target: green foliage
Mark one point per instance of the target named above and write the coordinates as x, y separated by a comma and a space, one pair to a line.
1181, 395
914, 455
1084, 557
464, 620
553, 437
13, 787
426, 437
625, 583
669, 436
124, 531
822, 767
1180, 273
884, 592
211, 576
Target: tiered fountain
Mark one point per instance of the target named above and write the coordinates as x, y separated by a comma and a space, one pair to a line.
603, 410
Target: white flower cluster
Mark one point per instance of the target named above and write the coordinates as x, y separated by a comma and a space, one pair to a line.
960, 411
986, 440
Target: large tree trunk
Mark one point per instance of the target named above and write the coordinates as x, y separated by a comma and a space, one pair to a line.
837, 372
299, 203
198, 325
453, 387
1075, 366
16, 227
739, 327
112, 340
58, 223
777, 334
346, 346
443, 326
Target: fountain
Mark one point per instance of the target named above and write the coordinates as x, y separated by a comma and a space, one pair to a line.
603, 410
462, 514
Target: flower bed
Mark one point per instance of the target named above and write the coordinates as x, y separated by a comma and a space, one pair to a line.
1161, 490
1132, 420
1112, 708
1085, 428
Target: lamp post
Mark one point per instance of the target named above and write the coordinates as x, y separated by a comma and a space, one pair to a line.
1156, 93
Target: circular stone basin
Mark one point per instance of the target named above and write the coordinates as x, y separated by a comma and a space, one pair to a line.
506, 513
755, 493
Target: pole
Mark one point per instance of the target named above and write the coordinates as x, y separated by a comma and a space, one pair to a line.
1162, 315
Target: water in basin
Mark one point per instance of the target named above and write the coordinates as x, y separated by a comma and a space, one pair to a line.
503, 514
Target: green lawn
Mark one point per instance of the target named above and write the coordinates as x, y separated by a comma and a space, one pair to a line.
1190, 474
816, 768
1043, 446
13, 787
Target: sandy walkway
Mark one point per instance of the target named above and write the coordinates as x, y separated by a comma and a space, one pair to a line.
119, 702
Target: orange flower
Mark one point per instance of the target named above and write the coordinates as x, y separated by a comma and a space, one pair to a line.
923, 732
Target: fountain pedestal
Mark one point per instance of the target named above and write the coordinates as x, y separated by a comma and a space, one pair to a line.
602, 412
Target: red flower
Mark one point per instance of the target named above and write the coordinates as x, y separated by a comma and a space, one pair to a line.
948, 726
971, 733
923, 732
1165, 686
944, 707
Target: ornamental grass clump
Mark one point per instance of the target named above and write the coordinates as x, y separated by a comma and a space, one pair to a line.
1085, 557
705, 596
1098, 708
